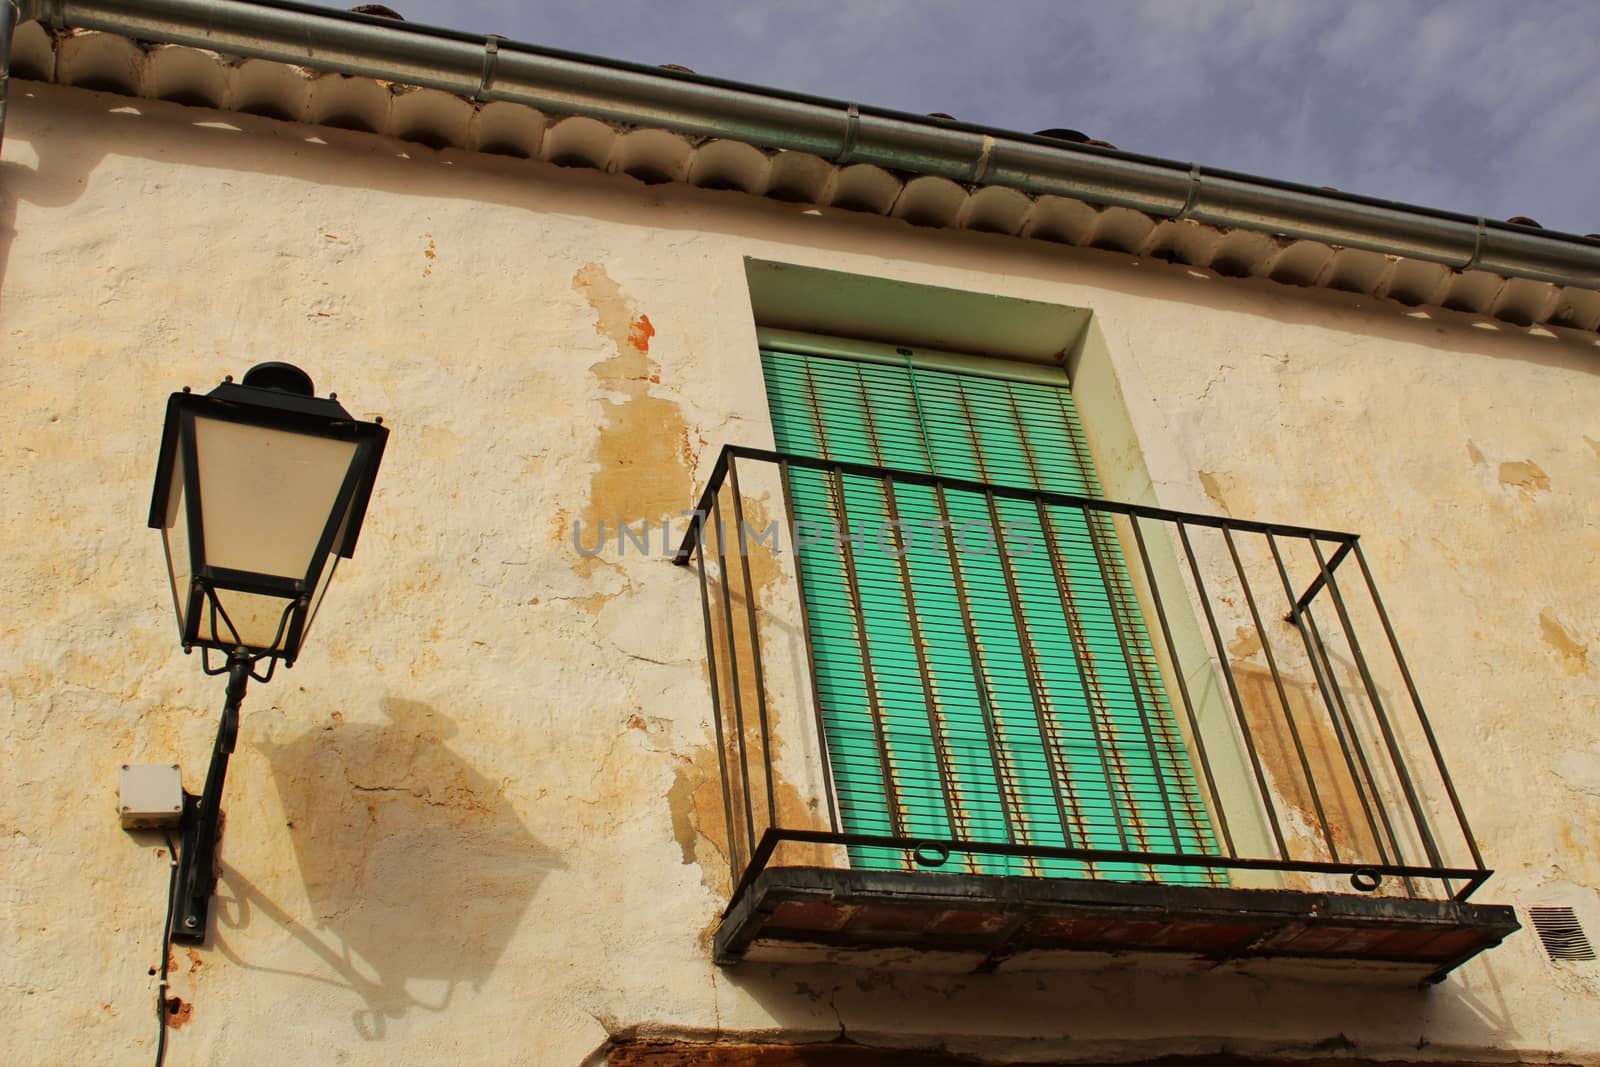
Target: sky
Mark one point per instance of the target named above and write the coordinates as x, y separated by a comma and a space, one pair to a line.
1486, 107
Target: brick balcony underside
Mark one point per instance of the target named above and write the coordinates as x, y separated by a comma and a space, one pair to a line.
993, 918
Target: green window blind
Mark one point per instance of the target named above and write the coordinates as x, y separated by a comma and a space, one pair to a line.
967, 691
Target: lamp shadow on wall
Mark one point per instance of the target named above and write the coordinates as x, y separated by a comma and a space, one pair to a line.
416, 869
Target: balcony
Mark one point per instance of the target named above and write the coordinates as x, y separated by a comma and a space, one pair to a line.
978, 726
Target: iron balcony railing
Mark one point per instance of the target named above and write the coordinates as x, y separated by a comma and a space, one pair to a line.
1147, 694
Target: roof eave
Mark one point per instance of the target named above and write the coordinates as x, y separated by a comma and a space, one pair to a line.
486, 70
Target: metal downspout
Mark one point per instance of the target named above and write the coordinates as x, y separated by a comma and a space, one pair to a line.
565, 83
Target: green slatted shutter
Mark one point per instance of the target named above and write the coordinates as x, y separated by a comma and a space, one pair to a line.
979, 695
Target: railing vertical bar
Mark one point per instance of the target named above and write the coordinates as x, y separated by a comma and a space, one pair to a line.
1389, 739
1283, 696
1345, 726
755, 641
716, 708
1030, 665
1326, 687
1183, 687
955, 816
811, 653
1103, 565
1233, 693
1422, 716
985, 706
733, 664
891, 791
1084, 663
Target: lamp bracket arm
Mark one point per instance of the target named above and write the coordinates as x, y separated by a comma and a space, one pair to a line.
203, 815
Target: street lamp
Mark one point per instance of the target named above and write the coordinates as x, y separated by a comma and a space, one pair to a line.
260, 487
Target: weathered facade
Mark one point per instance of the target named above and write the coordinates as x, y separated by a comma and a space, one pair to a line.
484, 820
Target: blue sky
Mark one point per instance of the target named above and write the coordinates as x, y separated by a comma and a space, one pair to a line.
1487, 107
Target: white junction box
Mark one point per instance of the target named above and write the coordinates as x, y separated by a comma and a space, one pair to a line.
152, 796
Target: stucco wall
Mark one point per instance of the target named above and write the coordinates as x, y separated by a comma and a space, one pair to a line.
479, 822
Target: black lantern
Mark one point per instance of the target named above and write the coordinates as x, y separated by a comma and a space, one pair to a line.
260, 488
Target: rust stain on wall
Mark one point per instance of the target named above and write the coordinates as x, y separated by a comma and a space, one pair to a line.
179, 1012
1574, 653
561, 529
642, 473
1524, 476
1474, 454
639, 334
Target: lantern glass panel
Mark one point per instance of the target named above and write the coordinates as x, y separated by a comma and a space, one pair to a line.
175, 536
322, 590
326, 576
256, 620
267, 497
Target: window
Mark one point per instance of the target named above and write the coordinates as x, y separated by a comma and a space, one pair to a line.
983, 669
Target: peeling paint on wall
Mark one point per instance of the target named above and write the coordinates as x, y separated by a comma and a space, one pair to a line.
1246, 643
644, 467
1213, 491
698, 824
1574, 654
788, 806
1329, 783
1525, 477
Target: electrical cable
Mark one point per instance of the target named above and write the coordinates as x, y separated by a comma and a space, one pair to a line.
166, 952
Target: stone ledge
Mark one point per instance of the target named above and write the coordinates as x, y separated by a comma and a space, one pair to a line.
990, 919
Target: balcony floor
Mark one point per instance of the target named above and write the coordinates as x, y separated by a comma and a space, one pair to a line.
976, 922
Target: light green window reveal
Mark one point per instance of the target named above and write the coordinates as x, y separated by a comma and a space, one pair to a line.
968, 692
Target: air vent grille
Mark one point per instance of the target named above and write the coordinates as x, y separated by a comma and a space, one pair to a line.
1563, 938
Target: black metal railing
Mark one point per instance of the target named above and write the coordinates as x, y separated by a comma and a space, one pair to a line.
1258, 657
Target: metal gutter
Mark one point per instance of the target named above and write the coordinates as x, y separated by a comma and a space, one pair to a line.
493, 68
